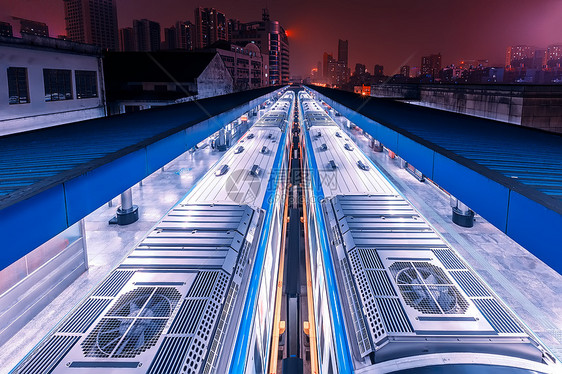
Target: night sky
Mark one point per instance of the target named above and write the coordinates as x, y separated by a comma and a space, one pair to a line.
387, 32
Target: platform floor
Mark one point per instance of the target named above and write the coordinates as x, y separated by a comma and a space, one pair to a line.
526, 284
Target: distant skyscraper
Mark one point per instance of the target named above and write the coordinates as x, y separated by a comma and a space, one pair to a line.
405, 71
6, 29
326, 59
127, 40
553, 57
519, 56
431, 65
170, 38
538, 59
233, 26
378, 71
92, 22
210, 26
360, 69
147, 35
185, 35
33, 27
343, 51
272, 40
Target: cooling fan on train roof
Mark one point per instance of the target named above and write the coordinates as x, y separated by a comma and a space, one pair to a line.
426, 288
133, 324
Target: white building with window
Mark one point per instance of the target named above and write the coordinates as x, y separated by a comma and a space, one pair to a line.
48, 82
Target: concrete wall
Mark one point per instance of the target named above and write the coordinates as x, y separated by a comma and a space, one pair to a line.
480, 101
39, 113
527, 105
215, 80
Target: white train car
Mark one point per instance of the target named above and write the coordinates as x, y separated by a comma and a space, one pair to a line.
191, 294
398, 297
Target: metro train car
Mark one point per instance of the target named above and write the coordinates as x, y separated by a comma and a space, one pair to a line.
192, 296
391, 295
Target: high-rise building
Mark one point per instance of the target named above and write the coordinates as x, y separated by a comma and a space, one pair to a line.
32, 27
378, 71
127, 40
519, 56
147, 35
360, 69
272, 40
170, 38
210, 27
6, 29
343, 51
185, 35
538, 61
233, 26
335, 71
431, 65
553, 57
405, 71
92, 22
326, 59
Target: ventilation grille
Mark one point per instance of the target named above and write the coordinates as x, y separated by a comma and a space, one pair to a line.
170, 356
243, 259
208, 321
84, 316
336, 235
133, 324
500, 320
366, 294
361, 335
188, 316
48, 356
221, 329
203, 284
393, 315
426, 288
113, 284
449, 259
470, 284
380, 283
370, 258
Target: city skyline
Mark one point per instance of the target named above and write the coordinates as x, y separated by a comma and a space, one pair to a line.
384, 33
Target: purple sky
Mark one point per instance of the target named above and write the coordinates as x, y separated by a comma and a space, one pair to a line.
387, 32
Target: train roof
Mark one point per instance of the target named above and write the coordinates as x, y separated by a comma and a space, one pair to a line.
347, 177
238, 185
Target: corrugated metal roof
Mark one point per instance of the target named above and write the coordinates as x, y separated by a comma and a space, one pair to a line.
34, 161
523, 159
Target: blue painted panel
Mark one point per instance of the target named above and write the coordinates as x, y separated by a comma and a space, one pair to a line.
416, 154
89, 191
389, 138
165, 150
536, 228
30, 223
484, 196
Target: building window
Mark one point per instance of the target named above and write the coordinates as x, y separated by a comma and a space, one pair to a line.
18, 89
86, 84
58, 84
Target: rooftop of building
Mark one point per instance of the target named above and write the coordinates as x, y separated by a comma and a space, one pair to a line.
161, 66
36, 42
